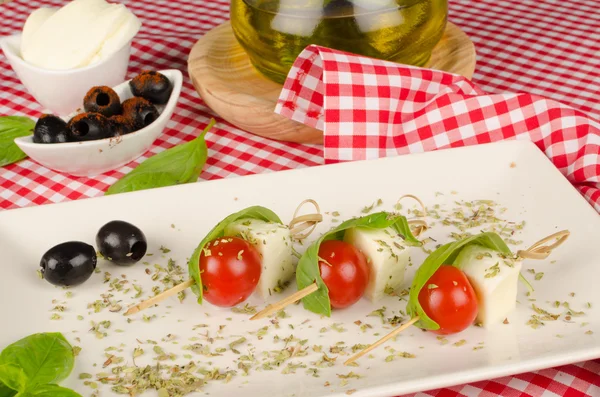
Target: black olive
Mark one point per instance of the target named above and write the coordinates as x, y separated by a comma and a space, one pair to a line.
68, 264
120, 125
88, 127
153, 86
103, 100
50, 129
140, 111
121, 243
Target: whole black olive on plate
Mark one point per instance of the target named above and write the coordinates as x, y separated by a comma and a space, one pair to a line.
140, 111
103, 100
50, 129
153, 86
121, 242
89, 127
69, 263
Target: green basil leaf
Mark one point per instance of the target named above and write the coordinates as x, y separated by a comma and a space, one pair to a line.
446, 254
13, 377
49, 391
260, 213
308, 272
12, 127
44, 358
177, 165
5, 391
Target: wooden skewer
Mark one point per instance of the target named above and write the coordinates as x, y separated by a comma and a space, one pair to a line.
419, 225
418, 200
160, 297
541, 251
295, 297
302, 223
305, 223
381, 341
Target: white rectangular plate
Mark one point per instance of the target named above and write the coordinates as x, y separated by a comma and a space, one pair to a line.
514, 174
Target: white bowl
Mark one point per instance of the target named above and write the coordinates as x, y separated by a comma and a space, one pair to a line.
91, 158
62, 91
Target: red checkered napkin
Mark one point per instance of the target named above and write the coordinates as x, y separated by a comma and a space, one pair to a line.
369, 108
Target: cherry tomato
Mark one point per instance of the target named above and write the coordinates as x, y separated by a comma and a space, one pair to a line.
449, 299
230, 269
345, 272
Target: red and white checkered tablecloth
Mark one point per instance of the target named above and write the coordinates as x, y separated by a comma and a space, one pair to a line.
549, 48
368, 108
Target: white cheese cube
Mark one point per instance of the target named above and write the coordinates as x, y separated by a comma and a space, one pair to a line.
387, 256
494, 279
274, 244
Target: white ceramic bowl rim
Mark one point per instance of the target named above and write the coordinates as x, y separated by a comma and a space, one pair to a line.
8, 43
132, 135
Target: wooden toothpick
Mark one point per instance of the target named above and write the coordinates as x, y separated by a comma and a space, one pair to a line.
381, 341
160, 297
295, 297
305, 223
541, 251
419, 225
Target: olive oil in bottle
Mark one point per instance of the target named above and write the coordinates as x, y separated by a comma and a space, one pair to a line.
274, 32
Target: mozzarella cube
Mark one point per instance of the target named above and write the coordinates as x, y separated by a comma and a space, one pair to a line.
35, 20
274, 244
495, 280
387, 256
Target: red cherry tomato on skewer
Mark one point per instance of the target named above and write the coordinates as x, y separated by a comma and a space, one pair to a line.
345, 272
449, 299
230, 269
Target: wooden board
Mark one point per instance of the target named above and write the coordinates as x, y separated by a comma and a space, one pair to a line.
226, 80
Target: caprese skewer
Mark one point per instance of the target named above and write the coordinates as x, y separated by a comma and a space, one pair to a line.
467, 280
248, 250
362, 256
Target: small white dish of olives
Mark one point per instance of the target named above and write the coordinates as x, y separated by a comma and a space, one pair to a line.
96, 139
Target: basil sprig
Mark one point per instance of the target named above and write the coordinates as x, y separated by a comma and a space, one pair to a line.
257, 212
177, 165
308, 272
13, 378
446, 255
6, 391
12, 127
34, 365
